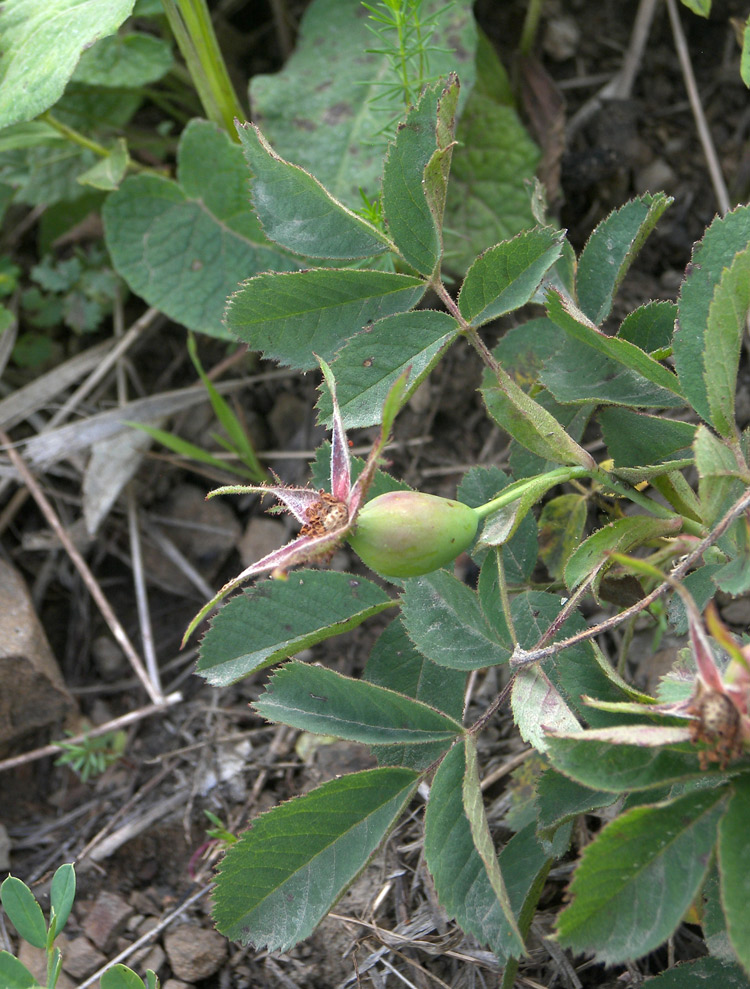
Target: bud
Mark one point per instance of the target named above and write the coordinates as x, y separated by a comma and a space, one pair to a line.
407, 533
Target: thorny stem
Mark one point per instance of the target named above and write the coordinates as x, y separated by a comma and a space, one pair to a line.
523, 657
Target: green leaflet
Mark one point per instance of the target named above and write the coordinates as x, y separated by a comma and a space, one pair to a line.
725, 237
610, 250
293, 316
281, 877
269, 621
318, 700
637, 879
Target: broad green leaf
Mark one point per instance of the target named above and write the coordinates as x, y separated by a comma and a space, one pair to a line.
506, 276
444, 620
298, 213
700, 973
410, 221
561, 526
734, 578
314, 699
13, 974
461, 880
725, 237
734, 868
395, 663
42, 42
183, 246
745, 56
488, 195
619, 536
640, 757
370, 363
530, 424
293, 315
473, 806
564, 313
47, 174
125, 60
488, 589
610, 250
274, 619
62, 894
538, 706
334, 105
23, 911
278, 881
636, 880
727, 316
650, 326
560, 799
437, 169
574, 419
635, 439
121, 977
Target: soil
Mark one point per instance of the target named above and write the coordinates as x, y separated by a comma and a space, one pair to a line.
139, 829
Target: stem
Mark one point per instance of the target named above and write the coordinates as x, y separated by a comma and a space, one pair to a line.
530, 25
517, 490
85, 142
193, 31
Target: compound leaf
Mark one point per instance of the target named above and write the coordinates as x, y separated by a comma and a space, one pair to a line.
444, 620
183, 246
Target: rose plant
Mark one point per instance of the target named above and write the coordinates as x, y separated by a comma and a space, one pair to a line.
670, 771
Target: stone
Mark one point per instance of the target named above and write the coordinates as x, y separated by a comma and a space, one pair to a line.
107, 919
39, 697
195, 952
81, 958
262, 536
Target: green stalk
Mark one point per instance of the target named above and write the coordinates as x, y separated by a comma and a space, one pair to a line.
517, 490
193, 31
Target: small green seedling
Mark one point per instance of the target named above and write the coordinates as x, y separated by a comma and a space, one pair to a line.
26, 915
92, 755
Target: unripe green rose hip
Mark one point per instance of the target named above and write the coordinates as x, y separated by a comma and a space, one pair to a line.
407, 533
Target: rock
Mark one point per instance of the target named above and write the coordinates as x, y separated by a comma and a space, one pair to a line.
107, 919
262, 536
39, 697
205, 533
176, 984
655, 176
81, 958
195, 952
